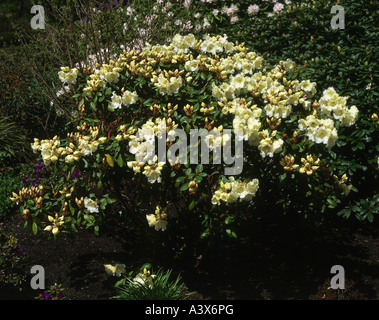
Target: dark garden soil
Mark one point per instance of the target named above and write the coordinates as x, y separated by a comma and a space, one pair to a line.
272, 259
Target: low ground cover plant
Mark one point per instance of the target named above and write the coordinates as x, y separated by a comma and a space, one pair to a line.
11, 255
150, 285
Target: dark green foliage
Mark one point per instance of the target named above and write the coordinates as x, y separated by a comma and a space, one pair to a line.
346, 59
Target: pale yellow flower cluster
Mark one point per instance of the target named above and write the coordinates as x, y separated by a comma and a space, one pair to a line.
144, 278
115, 270
288, 64
247, 120
158, 219
182, 43
88, 145
145, 136
267, 144
26, 194
341, 184
67, 75
127, 98
110, 72
142, 145
91, 205
95, 83
50, 149
153, 170
278, 93
332, 103
85, 144
310, 164
319, 130
242, 62
233, 190
281, 94
56, 223
288, 163
216, 45
169, 82
216, 138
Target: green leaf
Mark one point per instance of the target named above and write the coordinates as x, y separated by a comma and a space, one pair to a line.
231, 233
120, 161
179, 180
34, 228
93, 106
85, 163
184, 187
192, 205
229, 220
72, 210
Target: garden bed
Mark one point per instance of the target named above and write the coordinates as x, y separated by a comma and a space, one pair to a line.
268, 262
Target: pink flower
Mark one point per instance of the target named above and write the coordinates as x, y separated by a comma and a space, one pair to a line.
233, 19
253, 9
278, 7
187, 4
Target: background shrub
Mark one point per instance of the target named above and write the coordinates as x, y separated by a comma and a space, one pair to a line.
9, 182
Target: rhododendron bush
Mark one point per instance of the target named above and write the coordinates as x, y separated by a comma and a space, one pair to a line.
279, 133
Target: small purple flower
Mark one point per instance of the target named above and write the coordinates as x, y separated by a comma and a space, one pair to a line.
76, 173
84, 20
36, 182
46, 295
60, 295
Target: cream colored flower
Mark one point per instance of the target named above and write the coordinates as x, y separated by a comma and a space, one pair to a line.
129, 97
116, 102
115, 270
158, 219
91, 205
145, 278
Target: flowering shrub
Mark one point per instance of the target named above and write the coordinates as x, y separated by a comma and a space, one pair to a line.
157, 97
331, 58
302, 32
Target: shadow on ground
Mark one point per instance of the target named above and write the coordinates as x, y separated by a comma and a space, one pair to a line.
281, 260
